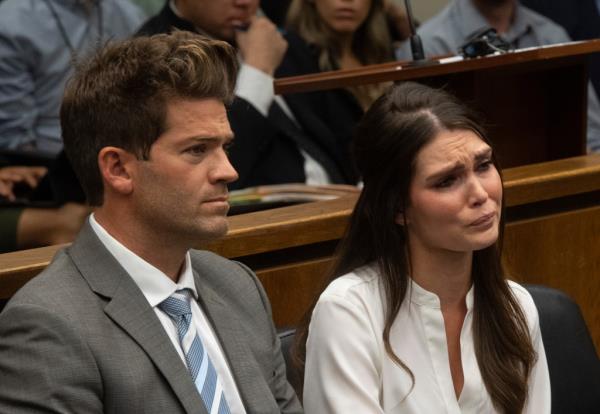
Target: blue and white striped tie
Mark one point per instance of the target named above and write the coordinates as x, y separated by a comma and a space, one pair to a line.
203, 372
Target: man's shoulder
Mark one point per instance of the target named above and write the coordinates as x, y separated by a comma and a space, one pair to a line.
128, 7
212, 266
551, 31
232, 281
440, 34
207, 258
437, 23
58, 288
125, 11
18, 16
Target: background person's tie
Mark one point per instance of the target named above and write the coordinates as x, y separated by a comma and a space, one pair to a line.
177, 306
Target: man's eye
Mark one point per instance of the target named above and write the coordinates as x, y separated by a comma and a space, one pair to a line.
197, 149
227, 147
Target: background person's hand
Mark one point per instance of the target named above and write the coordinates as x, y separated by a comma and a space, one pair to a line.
261, 45
12, 176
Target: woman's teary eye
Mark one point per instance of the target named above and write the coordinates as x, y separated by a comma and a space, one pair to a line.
484, 166
445, 182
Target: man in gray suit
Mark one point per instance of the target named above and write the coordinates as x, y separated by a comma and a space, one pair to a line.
128, 319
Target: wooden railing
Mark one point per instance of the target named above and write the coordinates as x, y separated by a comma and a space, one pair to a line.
552, 238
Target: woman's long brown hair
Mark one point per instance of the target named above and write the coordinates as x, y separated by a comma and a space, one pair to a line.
386, 145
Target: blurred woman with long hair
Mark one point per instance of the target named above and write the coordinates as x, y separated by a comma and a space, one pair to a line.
343, 34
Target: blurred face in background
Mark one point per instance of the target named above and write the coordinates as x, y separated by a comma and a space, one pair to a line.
343, 16
219, 18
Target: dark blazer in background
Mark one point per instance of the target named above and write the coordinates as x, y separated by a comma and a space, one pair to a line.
82, 338
266, 150
331, 114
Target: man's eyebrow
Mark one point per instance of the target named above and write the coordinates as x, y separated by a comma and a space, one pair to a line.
198, 139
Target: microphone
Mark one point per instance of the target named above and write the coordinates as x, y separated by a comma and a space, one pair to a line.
416, 46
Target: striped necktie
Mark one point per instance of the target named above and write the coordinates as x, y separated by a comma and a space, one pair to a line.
203, 372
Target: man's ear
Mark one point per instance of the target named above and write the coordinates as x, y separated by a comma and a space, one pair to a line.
116, 167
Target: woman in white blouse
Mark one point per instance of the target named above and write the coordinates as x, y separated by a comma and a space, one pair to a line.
418, 317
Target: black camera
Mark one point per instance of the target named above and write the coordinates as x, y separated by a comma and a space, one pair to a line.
484, 42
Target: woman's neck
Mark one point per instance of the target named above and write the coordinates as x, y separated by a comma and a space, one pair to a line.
447, 274
347, 58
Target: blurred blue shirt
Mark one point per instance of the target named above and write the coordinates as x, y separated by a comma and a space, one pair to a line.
35, 61
448, 30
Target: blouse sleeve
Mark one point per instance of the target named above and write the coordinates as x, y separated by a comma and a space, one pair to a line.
343, 360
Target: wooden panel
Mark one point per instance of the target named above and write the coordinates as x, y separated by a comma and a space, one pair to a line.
553, 179
17, 268
312, 223
534, 101
397, 71
561, 251
249, 234
286, 227
293, 288
556, 249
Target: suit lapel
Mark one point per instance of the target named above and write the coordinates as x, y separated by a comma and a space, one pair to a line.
130, 310
231, 334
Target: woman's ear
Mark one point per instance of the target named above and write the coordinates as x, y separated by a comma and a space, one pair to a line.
116, 167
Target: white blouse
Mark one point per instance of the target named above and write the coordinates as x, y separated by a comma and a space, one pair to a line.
349, 372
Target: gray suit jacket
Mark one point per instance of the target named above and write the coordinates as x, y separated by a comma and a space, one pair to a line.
81, 338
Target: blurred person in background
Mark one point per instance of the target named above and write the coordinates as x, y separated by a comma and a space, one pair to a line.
39, 41
270, 146
518, 25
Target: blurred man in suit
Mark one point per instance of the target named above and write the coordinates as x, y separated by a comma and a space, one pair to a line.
39, 40
128, 319
274, 143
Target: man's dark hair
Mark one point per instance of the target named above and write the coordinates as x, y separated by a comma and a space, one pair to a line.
119, 97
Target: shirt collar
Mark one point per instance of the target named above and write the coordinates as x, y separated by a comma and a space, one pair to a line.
472, 21
154, 284
422, 297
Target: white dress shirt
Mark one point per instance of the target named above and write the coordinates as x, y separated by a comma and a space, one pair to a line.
156, 287
349, 371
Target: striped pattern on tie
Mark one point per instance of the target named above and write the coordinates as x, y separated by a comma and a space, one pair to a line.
203, 372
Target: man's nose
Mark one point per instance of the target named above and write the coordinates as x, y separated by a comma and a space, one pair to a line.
223, 170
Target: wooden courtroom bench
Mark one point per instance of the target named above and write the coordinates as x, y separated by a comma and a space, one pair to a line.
552, 238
